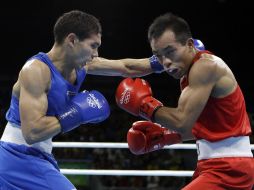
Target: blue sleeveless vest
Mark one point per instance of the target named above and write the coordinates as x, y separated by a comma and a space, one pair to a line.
58, 95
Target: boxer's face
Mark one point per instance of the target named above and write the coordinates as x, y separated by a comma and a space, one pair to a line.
171, 53
85, 50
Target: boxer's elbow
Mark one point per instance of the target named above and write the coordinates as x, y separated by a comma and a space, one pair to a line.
184, 125
30, 134
179, 126
30, 138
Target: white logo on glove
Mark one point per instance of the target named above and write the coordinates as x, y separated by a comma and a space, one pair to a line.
143, 82
93, 102
90, 102
69, 113
125, 97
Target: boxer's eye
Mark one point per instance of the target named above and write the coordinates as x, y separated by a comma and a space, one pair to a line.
95, 45
169, 53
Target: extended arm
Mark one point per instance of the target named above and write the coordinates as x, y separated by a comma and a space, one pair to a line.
129, 67
121, 67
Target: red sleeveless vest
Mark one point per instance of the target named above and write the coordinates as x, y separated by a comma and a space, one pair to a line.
222, 117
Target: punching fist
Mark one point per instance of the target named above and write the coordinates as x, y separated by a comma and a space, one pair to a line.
145, 136
85, 107
199, 44
135, 97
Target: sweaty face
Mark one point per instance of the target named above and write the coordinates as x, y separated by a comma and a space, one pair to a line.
87, 49
172, 54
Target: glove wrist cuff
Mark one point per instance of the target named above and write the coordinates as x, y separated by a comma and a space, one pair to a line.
155, 64
70, 118
172, 137
148, 107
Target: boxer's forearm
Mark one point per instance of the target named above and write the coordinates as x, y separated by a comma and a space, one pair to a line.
121, 67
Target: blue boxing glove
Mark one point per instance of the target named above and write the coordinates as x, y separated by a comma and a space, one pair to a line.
83, 108
155, 64
198, 44
158, 68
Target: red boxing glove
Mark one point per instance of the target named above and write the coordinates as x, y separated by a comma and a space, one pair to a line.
145, 136
135, 97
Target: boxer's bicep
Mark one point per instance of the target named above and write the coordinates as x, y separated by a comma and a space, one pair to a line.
194, 97
33, 102
192, 102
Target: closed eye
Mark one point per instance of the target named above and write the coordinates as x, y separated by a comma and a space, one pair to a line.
169, 53
95, 45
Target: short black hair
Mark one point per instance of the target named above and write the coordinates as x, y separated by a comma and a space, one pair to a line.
78, 22
170, 21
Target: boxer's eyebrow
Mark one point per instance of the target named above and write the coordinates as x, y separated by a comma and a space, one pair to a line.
168, 49
161, 51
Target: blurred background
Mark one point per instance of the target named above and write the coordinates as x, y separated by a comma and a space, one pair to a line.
224, 26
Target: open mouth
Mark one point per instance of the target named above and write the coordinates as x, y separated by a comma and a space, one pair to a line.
172, 71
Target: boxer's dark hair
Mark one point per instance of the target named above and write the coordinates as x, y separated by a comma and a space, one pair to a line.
170, 21
80, 23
